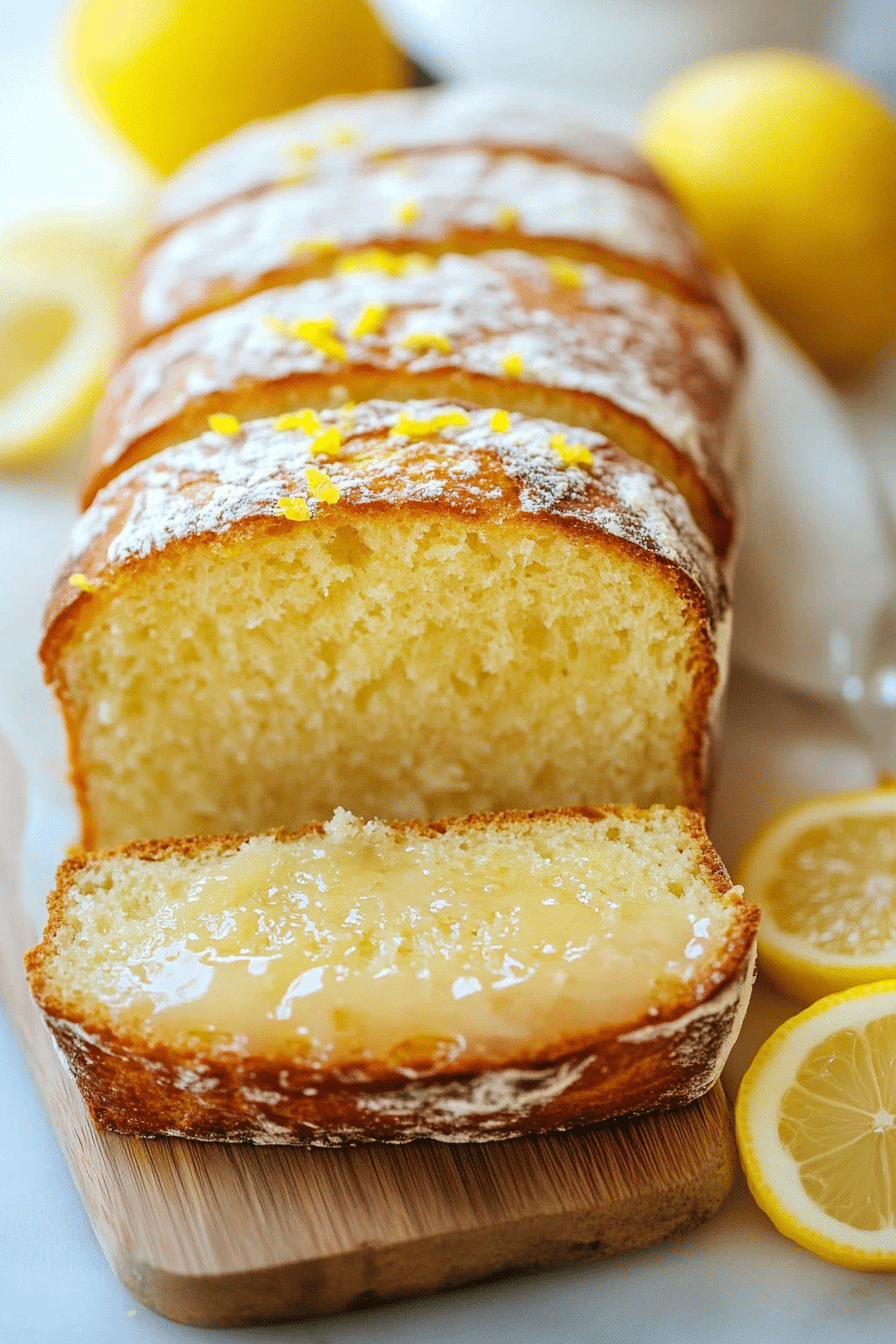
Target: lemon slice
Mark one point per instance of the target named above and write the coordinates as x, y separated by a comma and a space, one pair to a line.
56, 338
816, 1127
60, 271
824, 874
102, 242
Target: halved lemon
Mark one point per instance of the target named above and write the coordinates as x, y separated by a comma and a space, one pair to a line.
824, 874
816, 1127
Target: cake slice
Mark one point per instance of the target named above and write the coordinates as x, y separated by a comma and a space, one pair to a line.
337, 135
574, 342
473, 979
410, 610
466, 200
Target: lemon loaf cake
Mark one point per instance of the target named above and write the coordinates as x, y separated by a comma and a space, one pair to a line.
467, 200
339, 134
473, 979
575, 342
409, 610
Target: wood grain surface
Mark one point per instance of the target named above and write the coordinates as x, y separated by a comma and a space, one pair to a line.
230, 1234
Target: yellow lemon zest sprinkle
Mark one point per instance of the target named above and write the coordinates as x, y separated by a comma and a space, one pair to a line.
293, 179
321, 486
318, 246
81, 581
222, 423
294, 508
371, 259
566, 273
378, 259
500, 422
328, 444
371, 320
418, 429
319, 334
573, 454
300, 151
512, 365
416, 261
408, 212
427, 340
305, 420
344, 135
506, 217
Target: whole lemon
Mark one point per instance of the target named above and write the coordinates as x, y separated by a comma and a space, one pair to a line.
788, 168
173, 75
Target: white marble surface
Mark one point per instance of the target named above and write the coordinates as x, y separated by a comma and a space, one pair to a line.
736, 1278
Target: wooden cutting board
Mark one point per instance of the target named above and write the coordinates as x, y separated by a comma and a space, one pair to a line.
231, 1234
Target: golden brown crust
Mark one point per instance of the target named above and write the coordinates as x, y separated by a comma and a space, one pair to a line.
338, 135
136, 329
668, 1057
713, 508
655, 375
469, 201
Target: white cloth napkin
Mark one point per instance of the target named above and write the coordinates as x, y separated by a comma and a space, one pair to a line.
815, 566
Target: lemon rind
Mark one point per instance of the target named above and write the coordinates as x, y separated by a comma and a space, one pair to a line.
877, 800
805, 980
54, 401
785, 1202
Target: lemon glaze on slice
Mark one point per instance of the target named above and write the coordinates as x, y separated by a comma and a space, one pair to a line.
816, 1127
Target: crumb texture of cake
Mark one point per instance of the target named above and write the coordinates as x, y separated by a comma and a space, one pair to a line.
442, 617
588, 348
472, 979
464, 200
339, 134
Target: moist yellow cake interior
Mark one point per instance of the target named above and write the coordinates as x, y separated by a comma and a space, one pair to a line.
403, 666
368, 943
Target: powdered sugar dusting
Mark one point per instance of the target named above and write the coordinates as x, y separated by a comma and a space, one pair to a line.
343, 130
88, 527
213, 482
492, 1094
458, 190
